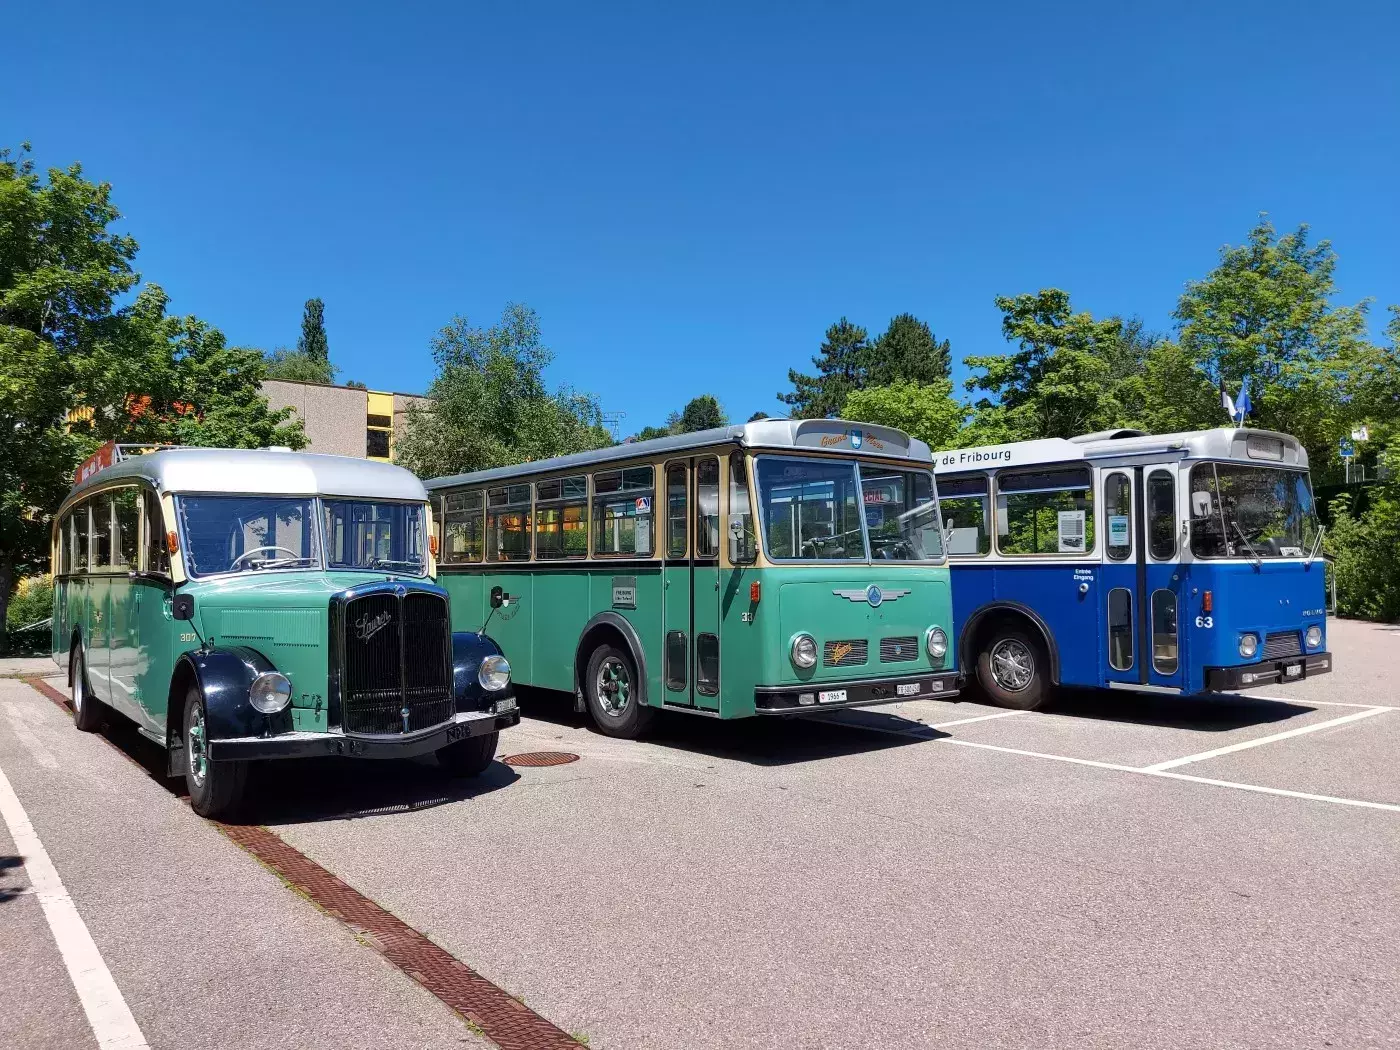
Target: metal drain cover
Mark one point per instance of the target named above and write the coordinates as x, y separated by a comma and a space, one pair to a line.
540, 758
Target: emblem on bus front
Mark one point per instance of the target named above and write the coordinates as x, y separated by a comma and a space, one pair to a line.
856, 438
872, 594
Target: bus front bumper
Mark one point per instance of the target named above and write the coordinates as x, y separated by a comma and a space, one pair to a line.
1266, 672
463, 725
796, 699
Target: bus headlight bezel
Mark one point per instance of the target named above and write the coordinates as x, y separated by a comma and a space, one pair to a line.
1249, 645
270, 693
1312, 638
936, 643
803, 651
494, 673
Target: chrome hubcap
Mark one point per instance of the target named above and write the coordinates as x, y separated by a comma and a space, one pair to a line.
195, 752
77, 688
1013, 666
613, 686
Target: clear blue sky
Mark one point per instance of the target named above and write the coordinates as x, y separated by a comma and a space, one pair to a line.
689, 194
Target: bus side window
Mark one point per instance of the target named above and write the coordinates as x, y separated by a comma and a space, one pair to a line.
65, 546
676, 510
508, 523
81, 531
102, 529
622, 511
127, 513
157, 553
461, 527
561, 518
963, 502
744, 547
1045, 511
707, 508
1161, 514
1120, 629
1118, 514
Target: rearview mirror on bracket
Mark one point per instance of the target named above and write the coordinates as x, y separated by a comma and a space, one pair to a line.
182, 607
1201, 505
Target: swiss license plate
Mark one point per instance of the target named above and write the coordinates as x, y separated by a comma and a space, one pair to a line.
908, 689
506, 705
831, 696
1293, 671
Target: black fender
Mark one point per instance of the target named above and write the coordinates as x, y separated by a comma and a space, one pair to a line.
967, 660
586, 647
469, 648
223, 676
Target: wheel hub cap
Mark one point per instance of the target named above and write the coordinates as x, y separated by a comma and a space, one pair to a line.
1013, 666
197, 753
614, 687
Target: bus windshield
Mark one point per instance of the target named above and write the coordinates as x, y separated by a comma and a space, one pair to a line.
1239, 510
361, 534
248, 533
812, 509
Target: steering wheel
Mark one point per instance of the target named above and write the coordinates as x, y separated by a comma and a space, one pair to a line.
250, 553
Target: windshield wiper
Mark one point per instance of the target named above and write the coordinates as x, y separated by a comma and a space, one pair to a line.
1258, 560
1317, 546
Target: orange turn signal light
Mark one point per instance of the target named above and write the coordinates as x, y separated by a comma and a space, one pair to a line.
433, 545
755, 592
1206, 602
172, 542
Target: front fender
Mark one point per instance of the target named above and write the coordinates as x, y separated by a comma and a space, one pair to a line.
223, 676
468, 650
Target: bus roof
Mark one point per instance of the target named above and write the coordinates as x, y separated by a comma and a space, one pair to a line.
827, 435
1266, 447
257, 472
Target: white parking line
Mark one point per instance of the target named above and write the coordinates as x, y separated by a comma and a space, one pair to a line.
1277, 791
1300, 700
979, 718
1244, 745
106, 1010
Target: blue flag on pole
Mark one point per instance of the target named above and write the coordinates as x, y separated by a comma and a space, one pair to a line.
1242, 403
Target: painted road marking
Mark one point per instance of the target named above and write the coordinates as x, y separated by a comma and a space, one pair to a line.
1297, 700
106, 1010
979, 718
1246, 744
1277, 791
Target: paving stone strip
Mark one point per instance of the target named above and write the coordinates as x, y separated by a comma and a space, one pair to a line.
502, 1018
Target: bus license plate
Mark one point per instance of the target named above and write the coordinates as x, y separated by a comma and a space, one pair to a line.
831, 696
1293, 670
908, 689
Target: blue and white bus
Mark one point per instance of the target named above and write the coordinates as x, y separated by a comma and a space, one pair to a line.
1180, 563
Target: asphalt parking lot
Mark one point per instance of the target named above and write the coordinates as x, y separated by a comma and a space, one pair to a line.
1121, 871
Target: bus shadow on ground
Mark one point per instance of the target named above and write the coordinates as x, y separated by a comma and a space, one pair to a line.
303, 791
1207, 713
757, 741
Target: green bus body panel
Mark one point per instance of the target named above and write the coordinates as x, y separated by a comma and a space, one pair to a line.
540, 630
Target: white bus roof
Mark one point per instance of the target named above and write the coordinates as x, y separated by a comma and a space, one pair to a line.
1266, 447
260, 472
826, 435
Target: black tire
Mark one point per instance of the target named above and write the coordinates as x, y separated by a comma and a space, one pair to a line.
216, 788
87, 709
470, 757
1019, 657
615, 694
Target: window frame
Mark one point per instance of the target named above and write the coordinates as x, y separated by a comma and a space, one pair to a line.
851, 461
1090, 550
683, 467
1170, 476
526, 506
622, 490
462, 514
561, 503
1109, 473
988, 511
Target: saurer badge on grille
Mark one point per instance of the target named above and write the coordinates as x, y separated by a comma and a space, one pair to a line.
366, 627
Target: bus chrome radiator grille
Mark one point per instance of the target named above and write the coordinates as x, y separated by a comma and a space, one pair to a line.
846, 652
899, 650
397, 672
1281, 644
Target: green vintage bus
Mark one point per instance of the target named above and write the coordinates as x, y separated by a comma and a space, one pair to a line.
247, 605
772, 568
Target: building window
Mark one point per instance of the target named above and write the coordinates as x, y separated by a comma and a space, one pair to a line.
376, 443
379, 425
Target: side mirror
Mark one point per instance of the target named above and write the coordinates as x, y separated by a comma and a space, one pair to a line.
182, 607
740, 553
499, 597
1201, 505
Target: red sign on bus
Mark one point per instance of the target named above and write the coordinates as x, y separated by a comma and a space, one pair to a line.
103, 457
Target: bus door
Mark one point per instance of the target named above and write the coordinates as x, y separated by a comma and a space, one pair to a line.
691, 606
1142, 578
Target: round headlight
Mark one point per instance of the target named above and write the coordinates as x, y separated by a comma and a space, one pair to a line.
270, 692
937, 643
1249, 645
494, 673
804, 651
1314, 636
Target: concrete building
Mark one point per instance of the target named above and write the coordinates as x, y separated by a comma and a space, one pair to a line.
344, 420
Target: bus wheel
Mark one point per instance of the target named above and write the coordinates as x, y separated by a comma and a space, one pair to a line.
87, 709
216, 788
1012, 669
615, 693
470, 757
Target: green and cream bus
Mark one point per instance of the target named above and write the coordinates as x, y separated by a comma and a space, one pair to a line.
772, 568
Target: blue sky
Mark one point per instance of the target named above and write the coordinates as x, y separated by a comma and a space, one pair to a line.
688, 195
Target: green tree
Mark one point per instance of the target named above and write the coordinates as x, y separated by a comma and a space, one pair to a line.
1070, 374
648, 433
701, 413
489, 403
908, 351
1265, 312
841, 365
298, 366
757, 416
313, 342
926, 411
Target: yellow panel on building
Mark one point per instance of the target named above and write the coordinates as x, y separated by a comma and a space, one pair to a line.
379, 425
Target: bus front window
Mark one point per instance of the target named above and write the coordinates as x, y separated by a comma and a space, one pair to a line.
247, 533
369, 535
901, 514
811, 510
1264, 512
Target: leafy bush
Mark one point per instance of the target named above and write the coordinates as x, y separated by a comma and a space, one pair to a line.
1366, 549
32, 602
